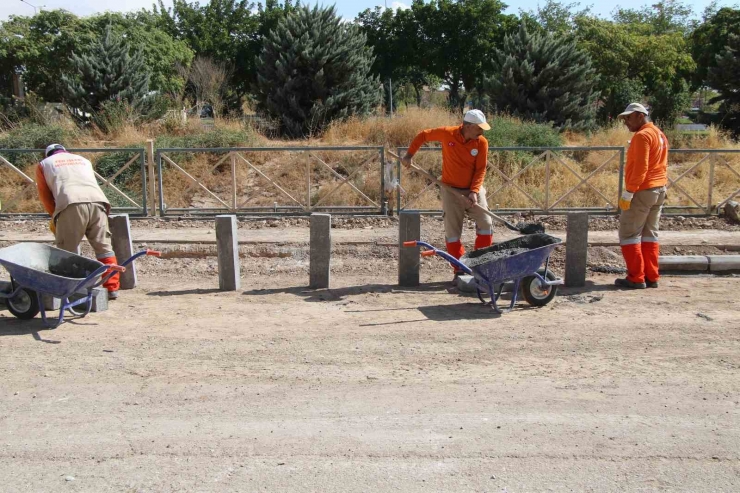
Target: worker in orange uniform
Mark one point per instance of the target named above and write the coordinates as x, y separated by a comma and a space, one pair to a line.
464, 161
645, 177
78, 207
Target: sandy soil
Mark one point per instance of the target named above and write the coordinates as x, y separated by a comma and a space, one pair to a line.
369, 387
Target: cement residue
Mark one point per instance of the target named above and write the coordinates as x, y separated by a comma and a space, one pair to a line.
507, 249
492, 256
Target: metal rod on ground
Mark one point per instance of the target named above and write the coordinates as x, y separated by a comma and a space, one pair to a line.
525, 229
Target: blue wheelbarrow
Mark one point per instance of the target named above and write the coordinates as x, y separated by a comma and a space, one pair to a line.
36, 270
518, 260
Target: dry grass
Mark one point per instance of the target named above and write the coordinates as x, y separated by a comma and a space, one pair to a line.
291, 170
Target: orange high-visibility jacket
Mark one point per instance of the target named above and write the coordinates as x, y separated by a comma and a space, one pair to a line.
647, 160
463, 163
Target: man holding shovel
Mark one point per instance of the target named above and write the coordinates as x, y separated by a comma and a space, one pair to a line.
464, 160
645, 179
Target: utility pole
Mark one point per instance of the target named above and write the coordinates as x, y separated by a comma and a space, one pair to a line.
35, 9
390, 90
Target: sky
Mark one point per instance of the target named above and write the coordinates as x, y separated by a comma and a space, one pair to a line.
346, 8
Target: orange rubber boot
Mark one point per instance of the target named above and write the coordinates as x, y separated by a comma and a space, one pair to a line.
113, 284
457, 250
633, 258
483, 241
650, 254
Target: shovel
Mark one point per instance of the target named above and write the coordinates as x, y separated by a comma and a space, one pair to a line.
523, 228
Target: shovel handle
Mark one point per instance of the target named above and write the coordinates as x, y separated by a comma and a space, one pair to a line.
462, 197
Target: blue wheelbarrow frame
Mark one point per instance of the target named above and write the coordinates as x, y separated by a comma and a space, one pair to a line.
491, 275
31, 264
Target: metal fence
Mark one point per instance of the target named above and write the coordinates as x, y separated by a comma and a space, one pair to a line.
546, 180
121, 173
698, 177
274, 180
357, 180
563, 179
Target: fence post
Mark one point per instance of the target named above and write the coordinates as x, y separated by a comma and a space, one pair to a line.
547, 181
383, 196
233, 182
711, 184
308, 182
152, 185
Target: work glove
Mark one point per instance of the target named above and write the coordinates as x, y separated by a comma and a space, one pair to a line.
625, 200
52, 227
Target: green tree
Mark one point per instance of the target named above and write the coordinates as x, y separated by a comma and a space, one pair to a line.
314, 69
666, 16
38, 47
554, 17
107, 72
710, 39
393, 36
725, 77
627, 56
456, 37
221, 30
543, 78
162, 53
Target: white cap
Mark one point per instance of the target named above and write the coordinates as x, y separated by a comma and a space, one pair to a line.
477, 117
52, 148
632, 108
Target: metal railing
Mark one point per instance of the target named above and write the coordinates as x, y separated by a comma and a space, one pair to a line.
273, 180
709, 163
231, 192
123, 184
538, 165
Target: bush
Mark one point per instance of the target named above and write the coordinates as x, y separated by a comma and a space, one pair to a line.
507, 131
33, 136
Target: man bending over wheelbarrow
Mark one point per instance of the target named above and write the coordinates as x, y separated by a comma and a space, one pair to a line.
78, 207
464, 160
645, 179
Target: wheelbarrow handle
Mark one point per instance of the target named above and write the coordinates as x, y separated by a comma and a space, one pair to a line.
435, 251
113, 269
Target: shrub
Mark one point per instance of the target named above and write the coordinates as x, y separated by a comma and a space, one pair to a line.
33, 136
508, 131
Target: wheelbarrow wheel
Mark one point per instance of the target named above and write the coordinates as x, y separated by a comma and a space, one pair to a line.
535, 292
25, 305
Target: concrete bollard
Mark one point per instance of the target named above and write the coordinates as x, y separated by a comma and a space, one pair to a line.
320, 256
409, 261
120, 228
576, 250
228, 253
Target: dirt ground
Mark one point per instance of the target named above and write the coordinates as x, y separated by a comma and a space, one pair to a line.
370, 387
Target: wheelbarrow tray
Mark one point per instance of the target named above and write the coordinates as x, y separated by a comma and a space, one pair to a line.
505, 268
49, 270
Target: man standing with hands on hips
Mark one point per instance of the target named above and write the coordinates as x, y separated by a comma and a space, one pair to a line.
464, 161
645, 179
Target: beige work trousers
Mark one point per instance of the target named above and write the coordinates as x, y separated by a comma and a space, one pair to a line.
454, 209
641, 222
84, 220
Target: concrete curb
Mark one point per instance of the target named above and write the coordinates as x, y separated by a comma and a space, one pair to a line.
715, 264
